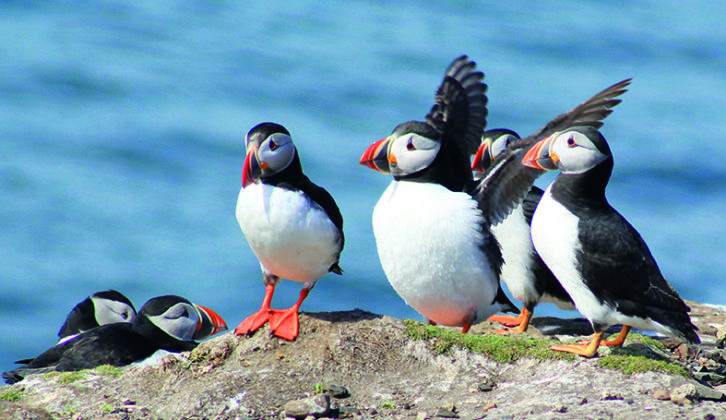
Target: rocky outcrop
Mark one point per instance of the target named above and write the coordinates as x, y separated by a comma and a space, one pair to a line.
361, 365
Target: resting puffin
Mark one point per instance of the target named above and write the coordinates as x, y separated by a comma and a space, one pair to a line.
598, 257
293, 226
100, 308
432, 224
164, 323
526, 276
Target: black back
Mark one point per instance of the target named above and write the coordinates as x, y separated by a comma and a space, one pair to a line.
116, 344
81, 318
614, 261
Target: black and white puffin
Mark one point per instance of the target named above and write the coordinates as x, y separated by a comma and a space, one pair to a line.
526, 276
433, 240
597, 256
293, 226
100, 308
432, 224
169, 323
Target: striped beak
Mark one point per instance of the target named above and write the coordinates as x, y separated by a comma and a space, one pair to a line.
376, 156
252, 170
209, 323
483, 157
540, 156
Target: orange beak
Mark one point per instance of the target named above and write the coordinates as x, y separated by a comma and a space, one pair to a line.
376, 156
252, 170
209, 323
483, 157
539, 155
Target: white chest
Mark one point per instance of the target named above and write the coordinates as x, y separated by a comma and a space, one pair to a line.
555, 237
427, 239
291, 236
513, 235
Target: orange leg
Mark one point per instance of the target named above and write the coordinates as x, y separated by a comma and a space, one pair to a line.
508, 320
584, 349
285, 324
255, 321
525, 316
465, 327
619, 340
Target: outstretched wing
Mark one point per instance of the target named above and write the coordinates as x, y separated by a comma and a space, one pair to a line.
589, 113
506, 181
459, 113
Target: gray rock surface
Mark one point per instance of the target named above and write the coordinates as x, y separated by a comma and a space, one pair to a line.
385, 373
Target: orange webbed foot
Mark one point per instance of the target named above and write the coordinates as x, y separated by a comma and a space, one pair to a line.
521, 322
253, 322
285, 324
587, 349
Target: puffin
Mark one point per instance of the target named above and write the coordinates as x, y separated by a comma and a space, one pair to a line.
523, 271
170, 323
598, 257
293, 226
101, 308
432, 225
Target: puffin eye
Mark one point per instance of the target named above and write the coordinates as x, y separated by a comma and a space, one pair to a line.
273, 145
410, 146
571, 141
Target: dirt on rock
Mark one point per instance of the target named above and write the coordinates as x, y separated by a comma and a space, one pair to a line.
357, 364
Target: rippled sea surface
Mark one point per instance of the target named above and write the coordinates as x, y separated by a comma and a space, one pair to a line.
122, 127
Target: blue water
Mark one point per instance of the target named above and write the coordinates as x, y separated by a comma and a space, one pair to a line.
122, 126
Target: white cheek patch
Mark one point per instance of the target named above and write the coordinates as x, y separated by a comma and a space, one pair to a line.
278, 157
408, 160
579, 158
179, 321
111, 311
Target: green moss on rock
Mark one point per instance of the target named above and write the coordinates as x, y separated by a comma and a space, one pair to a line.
498, 347
108, 370
507, 349
630, 364
70, 377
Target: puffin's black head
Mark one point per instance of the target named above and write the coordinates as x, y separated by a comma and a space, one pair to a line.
410, 149
101, 308
573, 151
269, 151
181, 318
493, 142
112, 306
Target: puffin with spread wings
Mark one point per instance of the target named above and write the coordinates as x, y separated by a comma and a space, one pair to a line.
433, 223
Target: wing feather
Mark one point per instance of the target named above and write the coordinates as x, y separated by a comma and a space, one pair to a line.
506, 182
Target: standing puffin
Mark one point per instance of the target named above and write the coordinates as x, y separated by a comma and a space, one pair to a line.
293, 226
526, 276
432, 224
164, 323
433, 240
100, 308
597, 256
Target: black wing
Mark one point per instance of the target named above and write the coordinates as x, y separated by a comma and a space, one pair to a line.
460, 109
82, 317
113, 344
621, 269
506, 181
322, 197
529, 204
